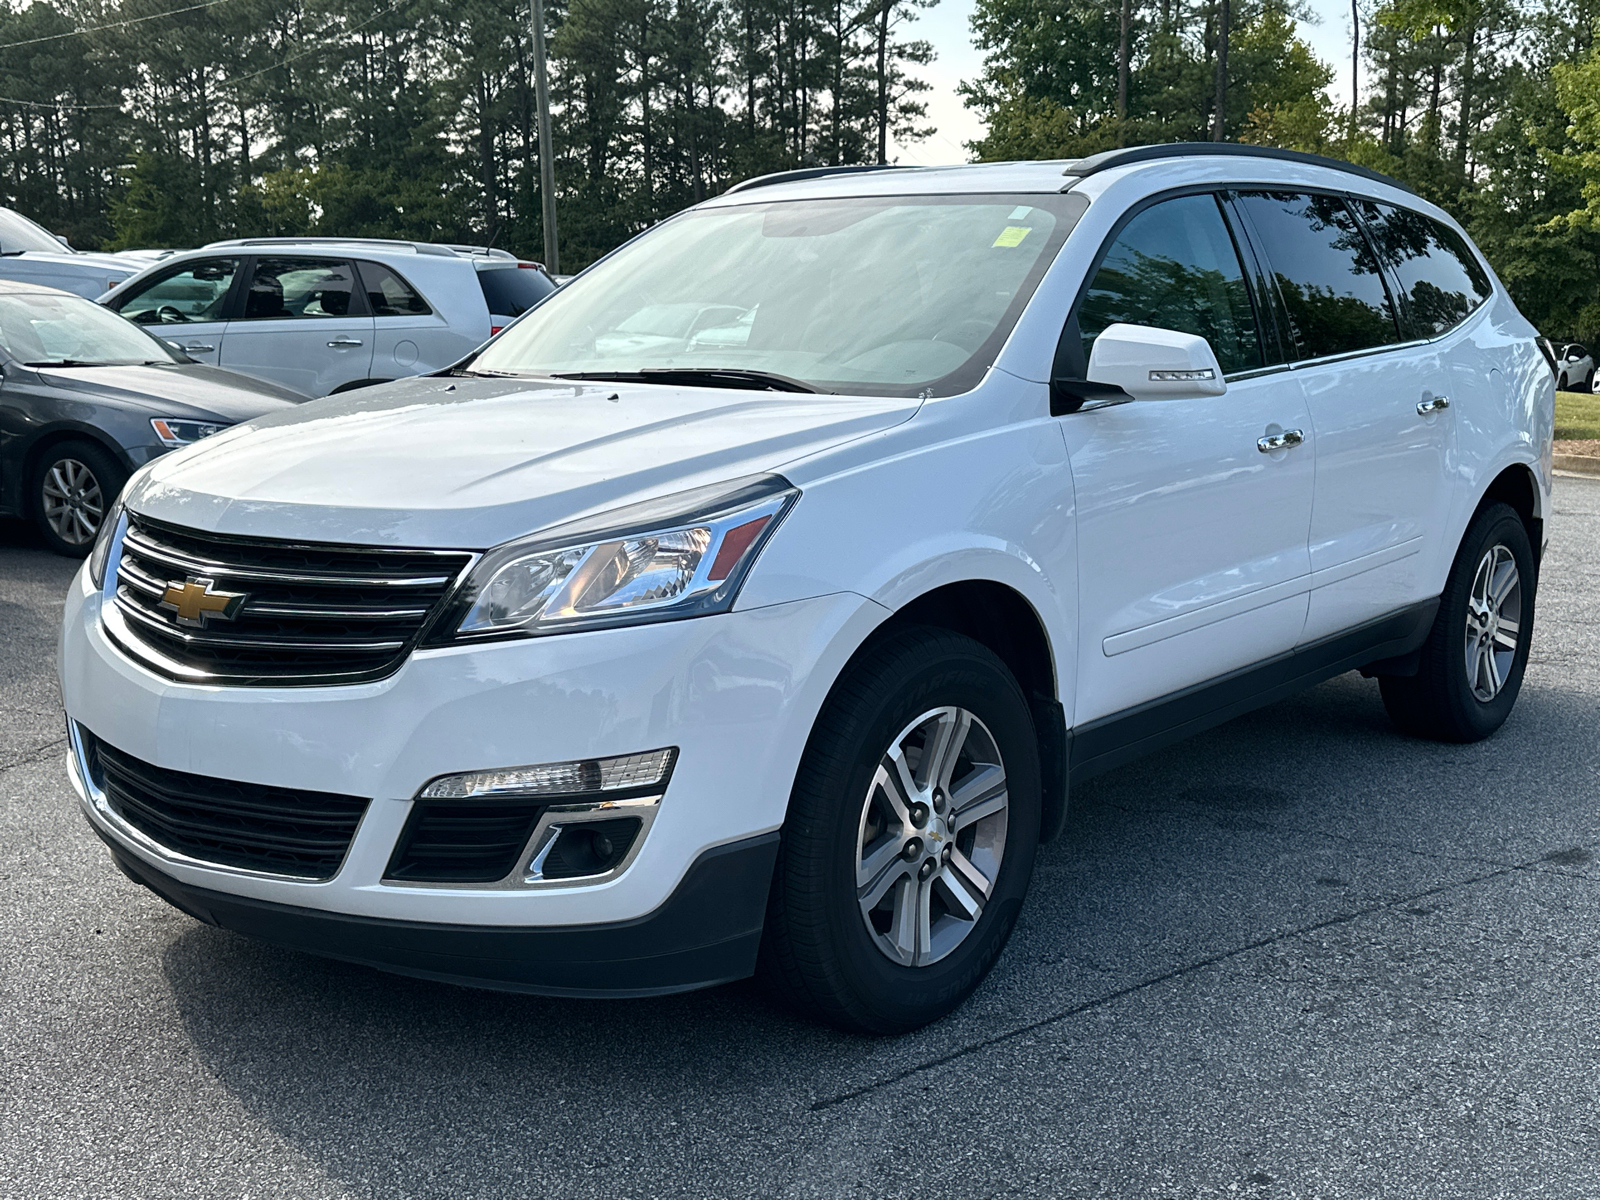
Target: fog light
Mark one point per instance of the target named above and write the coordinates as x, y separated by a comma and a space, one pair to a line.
584, 777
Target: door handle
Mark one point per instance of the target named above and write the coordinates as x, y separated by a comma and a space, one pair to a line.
341, 343
197, 348
1433, 404
1280, 441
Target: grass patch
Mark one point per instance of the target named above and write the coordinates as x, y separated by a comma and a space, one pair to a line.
1577, 416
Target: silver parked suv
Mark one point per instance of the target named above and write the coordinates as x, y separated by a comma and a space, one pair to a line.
323, 315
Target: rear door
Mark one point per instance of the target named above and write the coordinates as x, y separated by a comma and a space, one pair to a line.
303, 323
1191, 535
186, 304
1382, 445
410, 335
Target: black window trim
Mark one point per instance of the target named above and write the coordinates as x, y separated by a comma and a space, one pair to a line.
433, 310
1069, 347
236, 299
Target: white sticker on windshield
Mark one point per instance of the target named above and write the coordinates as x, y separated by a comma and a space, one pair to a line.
1019, 212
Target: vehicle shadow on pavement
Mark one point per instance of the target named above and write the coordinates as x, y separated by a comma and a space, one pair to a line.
1307, 816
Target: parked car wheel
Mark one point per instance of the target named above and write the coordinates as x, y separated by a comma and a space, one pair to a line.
1473, 661
1588, 381
73, 486
910, 837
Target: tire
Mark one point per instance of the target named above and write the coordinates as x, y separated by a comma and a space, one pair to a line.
884, 971
1464, 689
1588, 381
1561, 383
73, 486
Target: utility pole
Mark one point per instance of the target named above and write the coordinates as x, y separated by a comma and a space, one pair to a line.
1355, 65
547, 161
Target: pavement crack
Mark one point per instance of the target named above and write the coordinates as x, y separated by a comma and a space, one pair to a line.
1165, 977
37, 754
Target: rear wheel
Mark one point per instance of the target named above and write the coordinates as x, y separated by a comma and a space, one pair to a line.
910, 837
1473, 661
73, 486
1588, 381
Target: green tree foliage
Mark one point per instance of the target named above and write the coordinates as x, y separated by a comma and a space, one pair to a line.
1490, 108
175, 122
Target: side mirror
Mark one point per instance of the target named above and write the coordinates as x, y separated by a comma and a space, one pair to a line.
1155, 364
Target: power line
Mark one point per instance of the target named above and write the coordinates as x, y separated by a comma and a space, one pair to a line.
55, 37
56, 106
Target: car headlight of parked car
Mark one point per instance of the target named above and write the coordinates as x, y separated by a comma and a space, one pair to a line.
174, 433
685, 555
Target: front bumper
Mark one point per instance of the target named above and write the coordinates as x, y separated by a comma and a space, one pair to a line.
706, 933
737, 694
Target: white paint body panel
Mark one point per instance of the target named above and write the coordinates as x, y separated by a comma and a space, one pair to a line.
1156, 544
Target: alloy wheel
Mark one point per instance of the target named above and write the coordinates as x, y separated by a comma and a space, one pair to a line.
931, 836
1494, 615
73, 503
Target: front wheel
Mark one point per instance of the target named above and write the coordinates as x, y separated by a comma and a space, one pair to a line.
1472, 663
73, 486
910, 837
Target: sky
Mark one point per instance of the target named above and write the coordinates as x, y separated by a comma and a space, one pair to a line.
946, 26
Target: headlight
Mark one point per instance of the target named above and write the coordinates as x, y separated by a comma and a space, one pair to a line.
683, 556
101, 554
174, 433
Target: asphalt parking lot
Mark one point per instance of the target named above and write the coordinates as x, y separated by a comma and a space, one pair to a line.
1299, 956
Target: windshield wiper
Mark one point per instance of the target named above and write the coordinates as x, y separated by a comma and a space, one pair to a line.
727, 377
64, 362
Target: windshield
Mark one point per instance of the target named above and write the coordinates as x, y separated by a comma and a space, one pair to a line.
40, 330
17, 233
880, 295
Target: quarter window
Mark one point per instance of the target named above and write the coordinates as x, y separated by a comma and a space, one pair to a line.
1440, 279
196, 291
1326, 272
281, 288
1175, 266
388, 295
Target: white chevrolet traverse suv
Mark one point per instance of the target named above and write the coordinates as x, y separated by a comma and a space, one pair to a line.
612, 664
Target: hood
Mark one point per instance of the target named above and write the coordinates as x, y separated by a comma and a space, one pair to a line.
177, 389
470, 463
84, 261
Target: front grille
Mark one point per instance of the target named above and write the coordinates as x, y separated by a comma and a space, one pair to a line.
312, 612
259, 828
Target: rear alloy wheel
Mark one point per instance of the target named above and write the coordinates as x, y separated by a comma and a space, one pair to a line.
1471, 666
910, 836
74, 485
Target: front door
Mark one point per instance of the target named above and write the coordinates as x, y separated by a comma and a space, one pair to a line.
1191, 527
303, 324
184, 305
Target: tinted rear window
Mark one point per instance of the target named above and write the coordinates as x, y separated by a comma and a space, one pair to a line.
512, 291
1326, 273
1441, 280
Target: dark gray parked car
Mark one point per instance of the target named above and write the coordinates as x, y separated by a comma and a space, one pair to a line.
87, 397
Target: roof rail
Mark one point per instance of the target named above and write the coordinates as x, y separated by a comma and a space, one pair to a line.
489, 251
396, 243
808, 173
1107, 159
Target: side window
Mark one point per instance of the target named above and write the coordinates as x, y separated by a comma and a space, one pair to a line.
387, 294
196, 291
1441, 280
1175, 267
1327, 275
281, 288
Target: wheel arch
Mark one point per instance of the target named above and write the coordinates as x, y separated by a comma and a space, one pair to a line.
1005, 621
55, 436
1517, 486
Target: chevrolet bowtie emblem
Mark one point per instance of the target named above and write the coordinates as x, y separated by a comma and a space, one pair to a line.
195, 602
